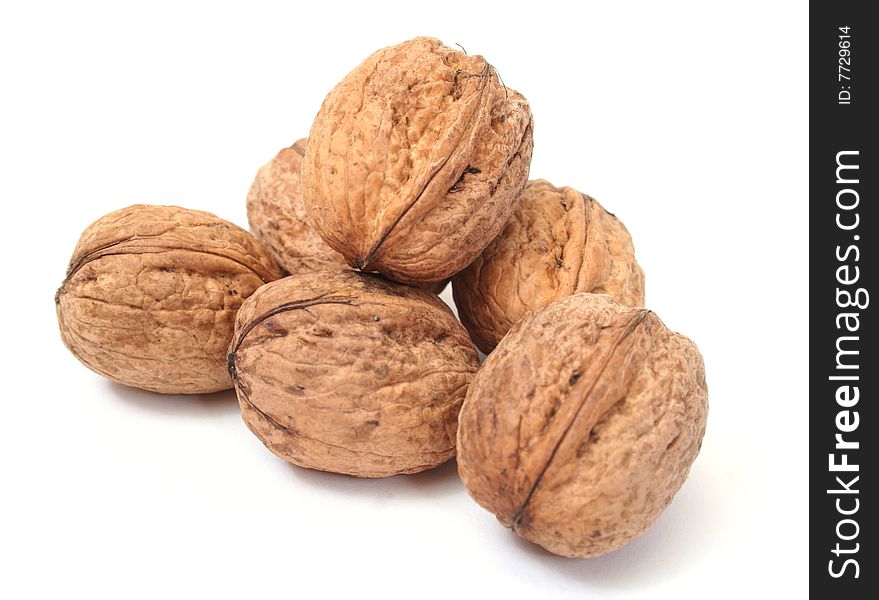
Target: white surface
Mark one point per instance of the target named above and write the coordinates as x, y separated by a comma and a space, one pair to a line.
688, 120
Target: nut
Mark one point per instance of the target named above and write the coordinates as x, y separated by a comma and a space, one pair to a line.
559, 242
151, 294
276, 213
277, 217
345, 372
582, 424
415, 161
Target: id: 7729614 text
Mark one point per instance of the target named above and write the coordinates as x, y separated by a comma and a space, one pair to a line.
844, 67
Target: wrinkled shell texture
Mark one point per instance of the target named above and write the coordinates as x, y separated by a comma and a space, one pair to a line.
151, 294
415, 161
582, 424
345, 372
558, 242
277, 217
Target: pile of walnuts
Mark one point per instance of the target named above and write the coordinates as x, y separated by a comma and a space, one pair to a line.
583, 420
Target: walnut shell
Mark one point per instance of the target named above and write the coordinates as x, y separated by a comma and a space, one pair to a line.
558, 242
277, 217
345, 372
582, 424
415, 161
151, 294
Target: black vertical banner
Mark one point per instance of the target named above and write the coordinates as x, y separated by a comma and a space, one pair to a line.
843, 365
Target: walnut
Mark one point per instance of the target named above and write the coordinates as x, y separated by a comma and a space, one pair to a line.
559, 242
277, 217
345, 372
276, 213
582, 424
151, 294
415, 161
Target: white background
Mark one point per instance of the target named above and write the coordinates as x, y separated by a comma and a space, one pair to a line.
687, 120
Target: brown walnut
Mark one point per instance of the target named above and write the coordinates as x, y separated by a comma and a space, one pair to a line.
277, 217
345, 372
582, 424
151, 294
558, 242
415, 161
